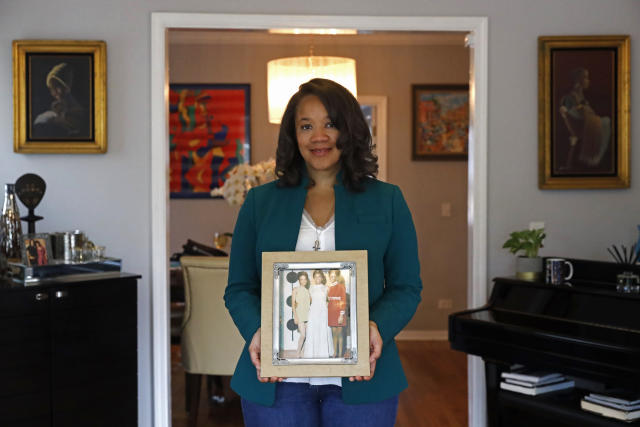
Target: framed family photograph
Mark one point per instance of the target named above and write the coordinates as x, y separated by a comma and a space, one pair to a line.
209, 134
315, 314
36, 249
583, 112
59, 96
440, 122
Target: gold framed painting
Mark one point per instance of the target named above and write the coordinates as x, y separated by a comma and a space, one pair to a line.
59, 96
315, 314
583, 112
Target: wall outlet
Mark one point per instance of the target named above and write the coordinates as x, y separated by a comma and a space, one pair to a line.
445, 303
536, 225
445, 209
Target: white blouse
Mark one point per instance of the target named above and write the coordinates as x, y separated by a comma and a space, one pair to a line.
326, 237
309, 233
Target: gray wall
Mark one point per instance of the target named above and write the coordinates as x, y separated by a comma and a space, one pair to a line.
108, 195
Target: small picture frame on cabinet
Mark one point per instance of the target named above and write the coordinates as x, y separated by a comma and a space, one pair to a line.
36, 249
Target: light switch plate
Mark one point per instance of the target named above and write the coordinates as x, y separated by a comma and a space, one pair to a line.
445, 209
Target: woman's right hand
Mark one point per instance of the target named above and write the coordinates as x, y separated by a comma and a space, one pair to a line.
254, 353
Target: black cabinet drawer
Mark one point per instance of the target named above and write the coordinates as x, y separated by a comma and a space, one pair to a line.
26, 410
117, 295
25, 348
68, 354
107, 403
24, 302
25, 368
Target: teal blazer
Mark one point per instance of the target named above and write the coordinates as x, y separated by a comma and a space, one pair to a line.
377, 220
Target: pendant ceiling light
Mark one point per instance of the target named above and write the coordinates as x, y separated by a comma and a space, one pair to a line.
285, 75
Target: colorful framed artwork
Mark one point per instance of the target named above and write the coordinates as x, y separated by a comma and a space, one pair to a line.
440, 122
374, 109
209, 134
36, 249
314, 314
583, 112
59, 96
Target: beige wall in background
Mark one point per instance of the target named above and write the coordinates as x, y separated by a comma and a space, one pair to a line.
382, 70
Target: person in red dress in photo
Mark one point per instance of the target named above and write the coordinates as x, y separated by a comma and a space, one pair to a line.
337, 297
42, 253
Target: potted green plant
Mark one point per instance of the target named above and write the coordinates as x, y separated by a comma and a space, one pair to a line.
529, 265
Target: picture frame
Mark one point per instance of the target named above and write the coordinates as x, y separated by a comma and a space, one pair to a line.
583, 112
209, 134
440, 121
374, 109
59, 96
36, 249
283, 292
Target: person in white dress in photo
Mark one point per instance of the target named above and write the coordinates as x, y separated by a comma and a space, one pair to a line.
318, 343
301, 303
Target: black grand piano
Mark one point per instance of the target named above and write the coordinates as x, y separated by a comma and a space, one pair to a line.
585, 329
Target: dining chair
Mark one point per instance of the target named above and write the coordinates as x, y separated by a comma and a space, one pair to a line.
211, 343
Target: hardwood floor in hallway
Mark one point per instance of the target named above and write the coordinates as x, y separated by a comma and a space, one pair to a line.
436, 397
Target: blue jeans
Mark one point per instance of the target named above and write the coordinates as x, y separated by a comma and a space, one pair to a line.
300, 404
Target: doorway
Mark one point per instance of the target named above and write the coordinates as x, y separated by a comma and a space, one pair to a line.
476, 280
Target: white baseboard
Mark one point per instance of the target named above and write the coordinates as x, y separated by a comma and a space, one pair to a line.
419, 335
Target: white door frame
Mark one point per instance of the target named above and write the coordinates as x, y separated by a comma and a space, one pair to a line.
477, 167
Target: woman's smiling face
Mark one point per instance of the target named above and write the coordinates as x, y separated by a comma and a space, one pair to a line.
317, 136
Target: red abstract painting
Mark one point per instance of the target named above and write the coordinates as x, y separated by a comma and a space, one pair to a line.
209, 134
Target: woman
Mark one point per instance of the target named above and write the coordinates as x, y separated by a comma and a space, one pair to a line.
318, 342
32, 253
65, 117
337, 318
325, 168
42, 253
301, 301
587, 130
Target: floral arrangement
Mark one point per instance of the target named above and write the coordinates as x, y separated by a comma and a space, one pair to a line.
242, 178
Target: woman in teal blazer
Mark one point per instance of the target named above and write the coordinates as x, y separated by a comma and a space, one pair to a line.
369, 214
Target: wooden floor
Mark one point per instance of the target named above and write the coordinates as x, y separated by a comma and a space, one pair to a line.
436, 397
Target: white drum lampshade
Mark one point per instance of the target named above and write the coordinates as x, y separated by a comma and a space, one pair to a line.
285, 75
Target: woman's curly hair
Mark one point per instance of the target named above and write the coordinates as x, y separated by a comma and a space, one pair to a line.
357, 160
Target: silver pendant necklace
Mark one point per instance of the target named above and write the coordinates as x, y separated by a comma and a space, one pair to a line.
316, 245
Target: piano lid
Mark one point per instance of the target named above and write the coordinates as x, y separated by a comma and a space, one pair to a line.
580, 301
584, 328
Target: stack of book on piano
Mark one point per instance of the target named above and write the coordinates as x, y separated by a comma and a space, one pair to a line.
534, 383
617, 404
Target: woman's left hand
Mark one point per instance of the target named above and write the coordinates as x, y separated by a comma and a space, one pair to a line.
375, 350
